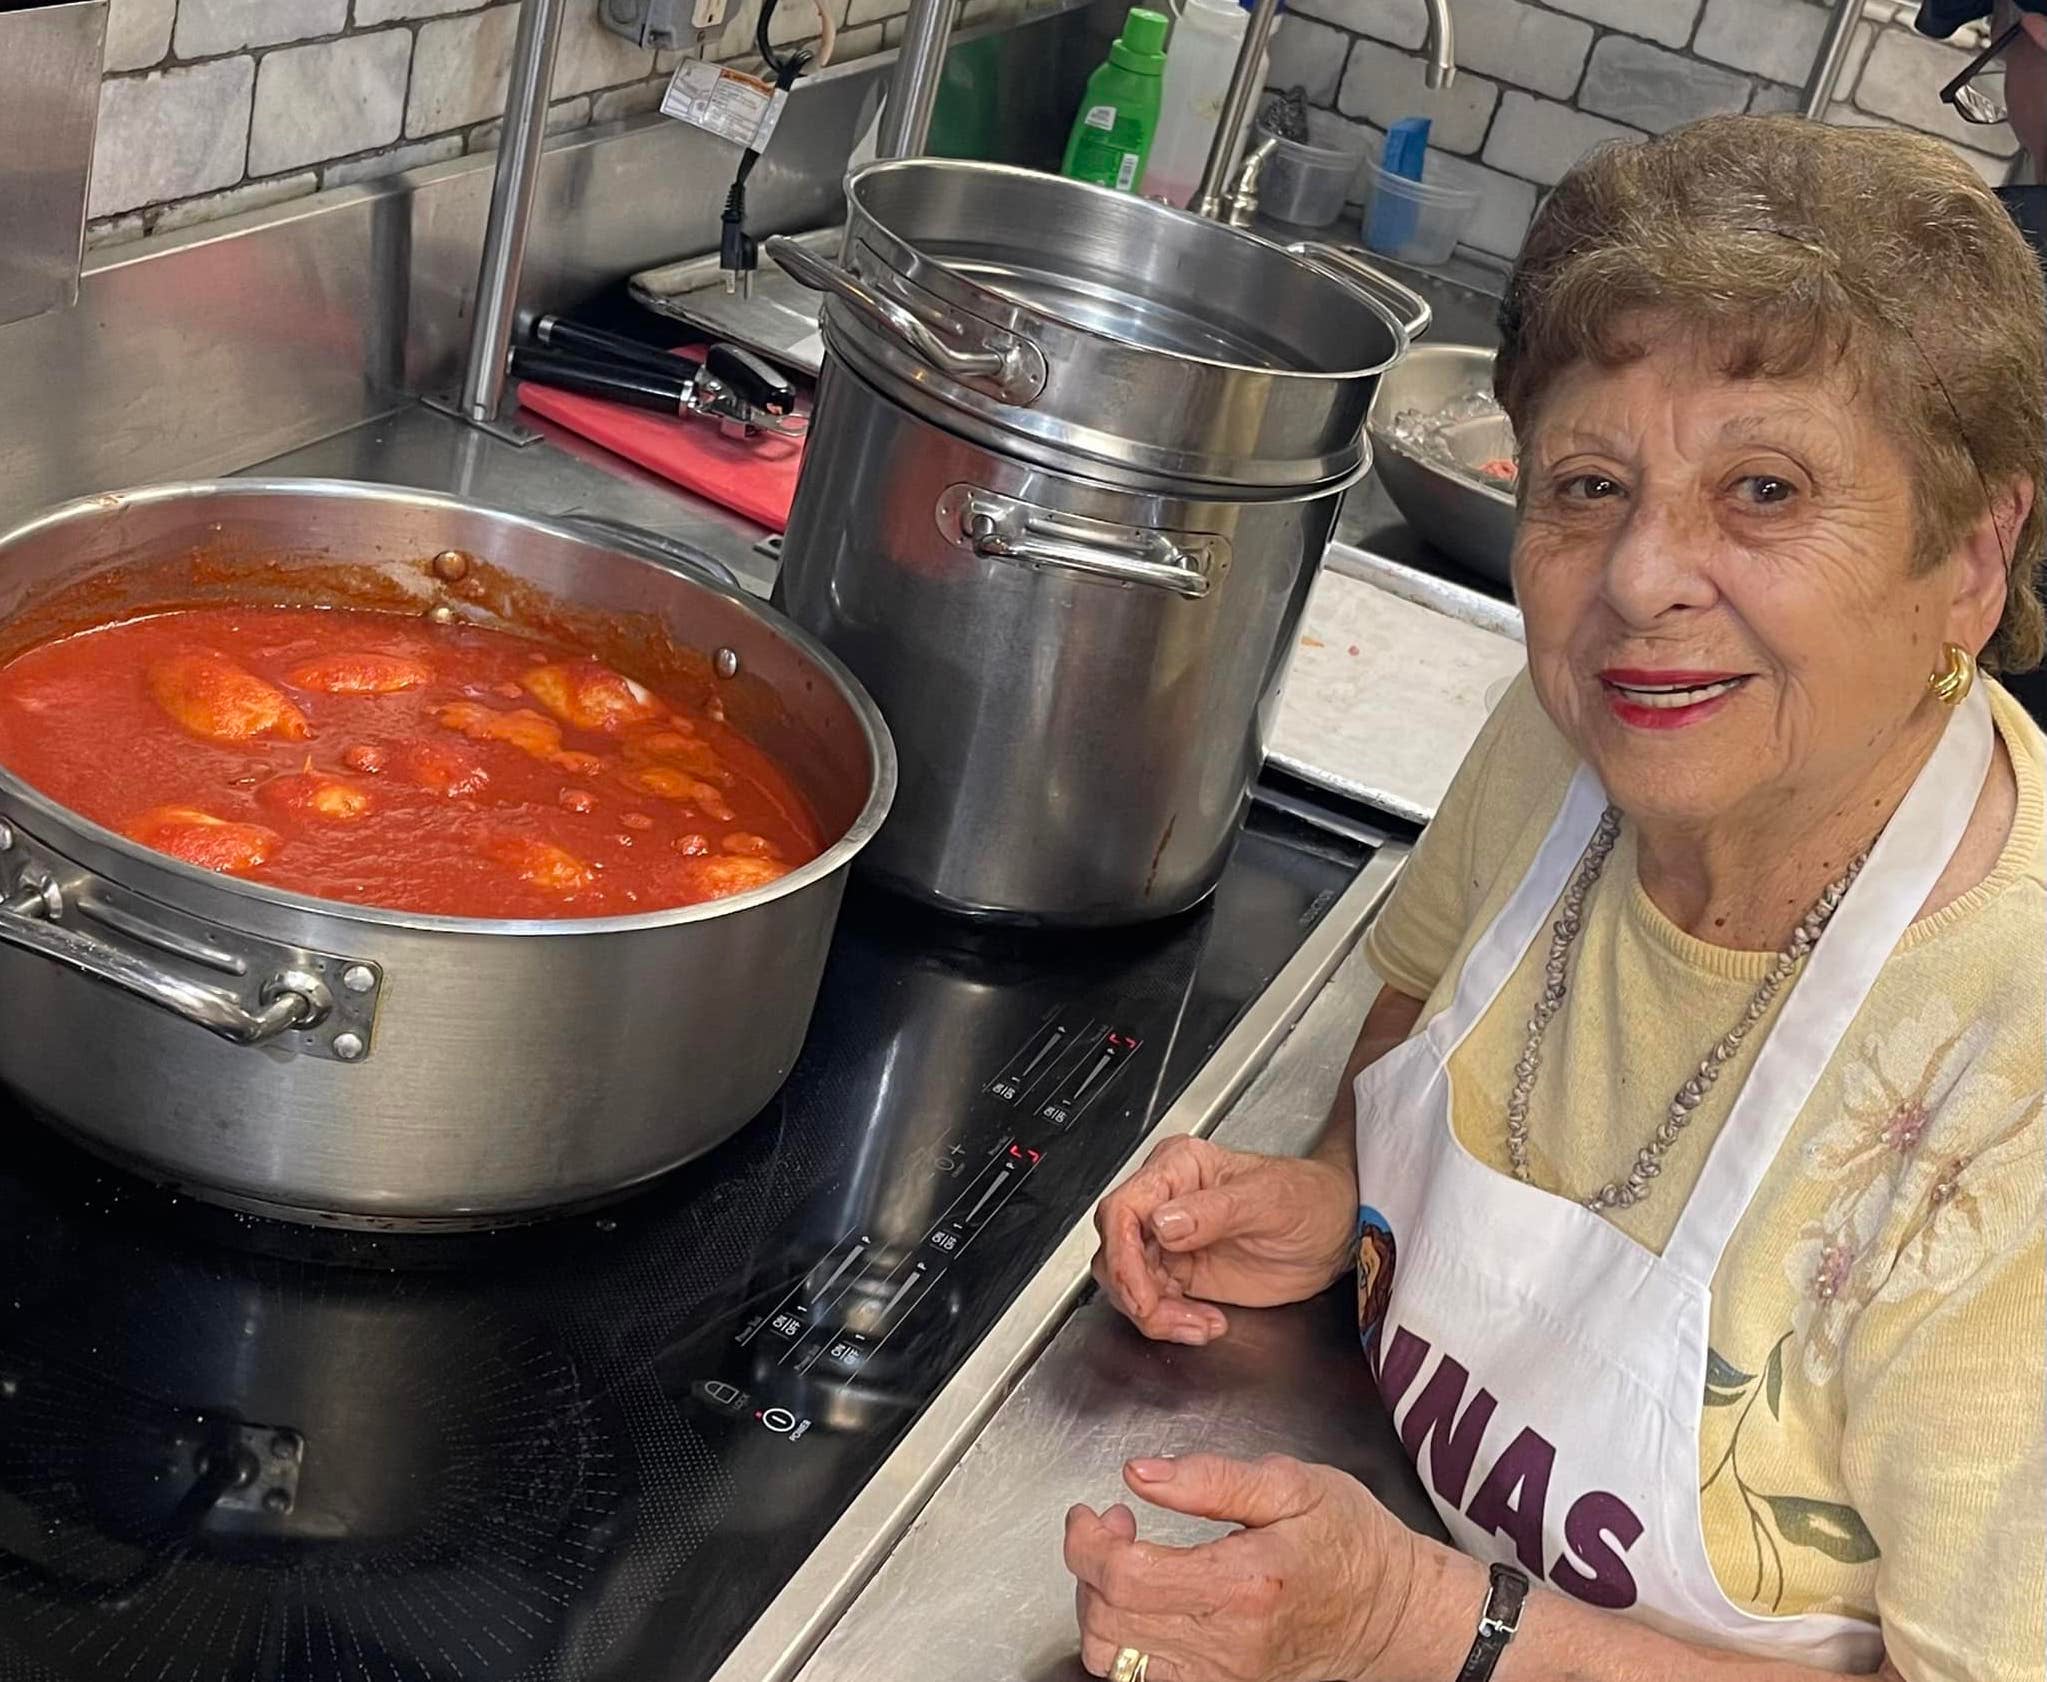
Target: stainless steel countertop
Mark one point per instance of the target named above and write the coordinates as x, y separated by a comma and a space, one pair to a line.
977, 1587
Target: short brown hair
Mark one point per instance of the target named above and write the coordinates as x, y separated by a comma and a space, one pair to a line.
1798, 246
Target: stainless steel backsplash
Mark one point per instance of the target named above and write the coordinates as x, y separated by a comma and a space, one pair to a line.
201, 352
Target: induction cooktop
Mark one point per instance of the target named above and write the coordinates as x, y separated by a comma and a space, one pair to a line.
598, 1447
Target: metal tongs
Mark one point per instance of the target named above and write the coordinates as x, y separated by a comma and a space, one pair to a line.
732, 387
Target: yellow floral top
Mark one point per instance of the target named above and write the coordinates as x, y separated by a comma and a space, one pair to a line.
1873, 1440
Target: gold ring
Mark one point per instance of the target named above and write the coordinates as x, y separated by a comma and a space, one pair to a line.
1129, 1665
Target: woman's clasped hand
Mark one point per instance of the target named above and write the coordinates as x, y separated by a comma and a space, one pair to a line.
1311, 1587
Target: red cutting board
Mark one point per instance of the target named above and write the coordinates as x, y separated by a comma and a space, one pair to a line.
753, 476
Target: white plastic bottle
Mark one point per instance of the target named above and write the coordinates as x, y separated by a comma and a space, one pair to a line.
1207, 35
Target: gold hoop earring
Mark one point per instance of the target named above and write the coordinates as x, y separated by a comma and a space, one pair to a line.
1956, 677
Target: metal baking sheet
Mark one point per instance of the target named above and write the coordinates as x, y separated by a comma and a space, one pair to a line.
779, 320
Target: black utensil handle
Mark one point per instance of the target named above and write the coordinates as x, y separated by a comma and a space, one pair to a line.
663, 393
553, 333
750, 378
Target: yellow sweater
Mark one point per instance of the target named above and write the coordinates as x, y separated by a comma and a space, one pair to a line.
1873, 1439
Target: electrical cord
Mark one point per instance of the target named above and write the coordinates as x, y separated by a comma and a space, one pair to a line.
738, 251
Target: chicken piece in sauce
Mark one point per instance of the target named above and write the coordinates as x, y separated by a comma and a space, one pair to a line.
362, 673
313, 796
441, 769
665, 782
541, 864
185, 832
212, 697
717, 875
587, 695
685, 752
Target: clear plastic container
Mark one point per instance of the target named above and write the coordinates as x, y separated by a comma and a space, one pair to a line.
1415, 221
1207, 35
1307, 185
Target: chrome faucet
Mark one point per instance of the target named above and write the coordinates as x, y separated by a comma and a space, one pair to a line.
1441, 46
1237, 201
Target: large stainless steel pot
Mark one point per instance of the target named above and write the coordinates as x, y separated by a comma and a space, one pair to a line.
323, 1060
1099, 332
1080, 679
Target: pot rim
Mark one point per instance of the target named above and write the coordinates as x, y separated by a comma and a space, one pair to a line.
882, 776
859, 213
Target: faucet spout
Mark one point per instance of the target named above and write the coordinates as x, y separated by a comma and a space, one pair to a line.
1441, 70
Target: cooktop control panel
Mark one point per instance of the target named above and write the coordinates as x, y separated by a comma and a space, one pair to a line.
797, 1357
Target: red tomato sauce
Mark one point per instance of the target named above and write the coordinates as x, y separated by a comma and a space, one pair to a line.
393, 762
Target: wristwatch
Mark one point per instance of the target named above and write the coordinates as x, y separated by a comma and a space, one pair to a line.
1497, 1622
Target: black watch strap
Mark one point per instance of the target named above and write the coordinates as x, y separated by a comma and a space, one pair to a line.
1501, 1617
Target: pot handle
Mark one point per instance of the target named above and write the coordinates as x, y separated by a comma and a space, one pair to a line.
1411, 309
291, 998
1015, 372
1002, 528
312, 1004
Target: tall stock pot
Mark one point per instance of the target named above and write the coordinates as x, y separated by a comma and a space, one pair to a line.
1075, 460
326, 1061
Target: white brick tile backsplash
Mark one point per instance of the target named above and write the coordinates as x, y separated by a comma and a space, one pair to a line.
1774, 38
593, 57
1506, 204
1540, 140
1773, 99
371, 12
1382, 86
634, 101
1648, 88
1310, 55
863, 42
171, 134
207, 27
306, 93
329, 99
1522, 45
393, 160
139, 33
1402, 22
250, 195
1668, 21
563, 116
1902, 81
796, 20
460, 67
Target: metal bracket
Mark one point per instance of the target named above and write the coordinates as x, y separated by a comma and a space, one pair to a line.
243, 987
505, 431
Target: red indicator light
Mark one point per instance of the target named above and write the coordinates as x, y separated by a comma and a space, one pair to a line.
1036, 1157
1015, 1153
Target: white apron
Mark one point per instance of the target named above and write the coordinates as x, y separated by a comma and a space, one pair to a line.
1546, 1372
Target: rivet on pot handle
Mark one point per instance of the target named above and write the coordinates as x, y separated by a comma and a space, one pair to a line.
1003, 528
1353, 271
1014, 371
291, 998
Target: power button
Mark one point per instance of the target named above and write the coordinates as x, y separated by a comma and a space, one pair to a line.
779, 1420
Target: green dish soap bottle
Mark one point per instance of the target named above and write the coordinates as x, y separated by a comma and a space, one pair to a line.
1119, 113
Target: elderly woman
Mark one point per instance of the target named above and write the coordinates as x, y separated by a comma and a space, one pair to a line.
1698, 1127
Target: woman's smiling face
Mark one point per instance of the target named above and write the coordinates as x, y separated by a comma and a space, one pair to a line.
1717, 582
